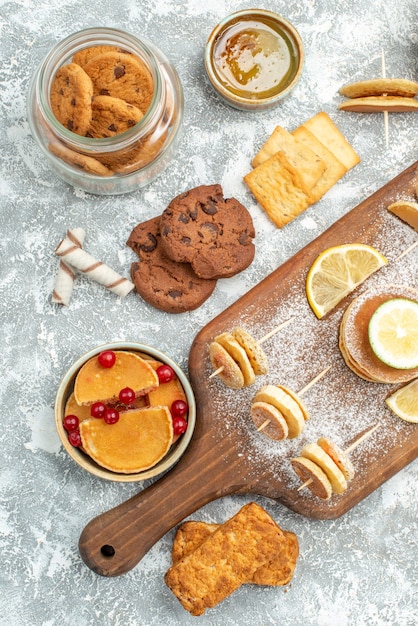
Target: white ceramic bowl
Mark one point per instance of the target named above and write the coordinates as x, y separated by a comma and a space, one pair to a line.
176, 451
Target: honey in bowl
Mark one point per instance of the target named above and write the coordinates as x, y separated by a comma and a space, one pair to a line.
253, 59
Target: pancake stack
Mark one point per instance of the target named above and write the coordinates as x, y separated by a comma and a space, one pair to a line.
354, 341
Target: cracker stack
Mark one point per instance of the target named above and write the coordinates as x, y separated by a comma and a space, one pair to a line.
212, 561
294, 170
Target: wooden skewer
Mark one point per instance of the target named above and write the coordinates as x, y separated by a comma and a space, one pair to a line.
262, 340
385, 113
405, 252
356, 443
301, 392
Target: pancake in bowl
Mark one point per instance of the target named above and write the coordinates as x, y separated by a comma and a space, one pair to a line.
97, 383
138, 440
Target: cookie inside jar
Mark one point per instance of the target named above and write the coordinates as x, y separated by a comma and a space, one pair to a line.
106, 108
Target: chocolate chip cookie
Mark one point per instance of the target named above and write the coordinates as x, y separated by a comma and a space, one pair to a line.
83, 56
70, 97
169, 286
111, 116
123, 76
213, 234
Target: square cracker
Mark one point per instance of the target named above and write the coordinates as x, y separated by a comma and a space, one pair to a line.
309, 165
225, 560
334, 168
279, 189
332, 138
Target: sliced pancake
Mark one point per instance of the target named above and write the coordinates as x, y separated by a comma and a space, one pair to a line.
255, 352
96, 383
354, 335
166, 393
230, 373
307, 470
72, 408
235, 350
339, 457
286, 405
317, 455
137, 442
275, 425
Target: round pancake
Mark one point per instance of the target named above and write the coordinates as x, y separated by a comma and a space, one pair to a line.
339, 457
235, 350
275, 424
230, 374
138, 440
306, 469
255, 352
96, 383
355, 339
317, 455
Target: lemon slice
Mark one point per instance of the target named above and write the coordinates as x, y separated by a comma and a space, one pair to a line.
337, 271
404, 402
393, 333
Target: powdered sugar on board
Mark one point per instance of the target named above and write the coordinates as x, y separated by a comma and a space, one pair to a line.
341, 405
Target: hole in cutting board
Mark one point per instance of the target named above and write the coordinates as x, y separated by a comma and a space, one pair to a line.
108, 551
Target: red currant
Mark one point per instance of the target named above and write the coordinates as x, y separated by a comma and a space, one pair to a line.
107, 358
74, 438
111, 416
165, 373
70, 422
179, 408
179, 425
98, 409
127, 395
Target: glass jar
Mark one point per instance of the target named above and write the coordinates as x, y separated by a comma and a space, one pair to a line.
121, 163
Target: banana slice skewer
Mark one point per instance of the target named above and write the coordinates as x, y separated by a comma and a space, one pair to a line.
279, 412
237, 358
325, 468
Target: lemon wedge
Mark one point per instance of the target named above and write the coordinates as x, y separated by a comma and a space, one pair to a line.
337, 271
404, 402
393, 333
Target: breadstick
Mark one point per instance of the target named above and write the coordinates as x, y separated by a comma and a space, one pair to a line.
64, 281
98, 271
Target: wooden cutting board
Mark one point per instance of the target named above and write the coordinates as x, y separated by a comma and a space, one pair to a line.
226, 454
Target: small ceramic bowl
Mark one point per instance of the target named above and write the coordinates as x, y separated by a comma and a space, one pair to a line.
176, 451
254, 58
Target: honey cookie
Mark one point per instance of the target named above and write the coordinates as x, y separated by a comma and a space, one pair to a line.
214, 234
70, 97
123, 76
111, 116
86, 163
169, 286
